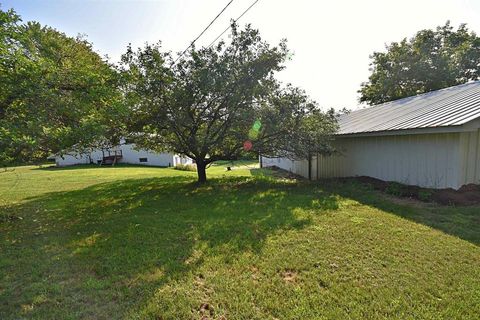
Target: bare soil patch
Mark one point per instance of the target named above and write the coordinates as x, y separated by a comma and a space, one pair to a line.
289, 276
467, 195
282, 173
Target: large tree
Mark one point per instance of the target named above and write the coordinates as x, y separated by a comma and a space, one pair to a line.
215, 103
431, 60
55, 92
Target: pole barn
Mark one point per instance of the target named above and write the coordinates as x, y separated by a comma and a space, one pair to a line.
430, 140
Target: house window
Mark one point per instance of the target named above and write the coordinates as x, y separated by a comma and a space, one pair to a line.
143, 159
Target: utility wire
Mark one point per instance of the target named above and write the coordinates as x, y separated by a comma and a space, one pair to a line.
240, 16
191, 44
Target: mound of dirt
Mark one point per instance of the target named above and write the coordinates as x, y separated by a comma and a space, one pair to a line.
282, 173
467, 195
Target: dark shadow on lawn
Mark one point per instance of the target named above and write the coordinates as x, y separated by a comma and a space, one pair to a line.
120, 233
462, 222
92, 166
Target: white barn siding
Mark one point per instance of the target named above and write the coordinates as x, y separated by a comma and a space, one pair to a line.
428, 160
70, 160
132, 156
129, 155
470, 157
440, 160
299, 167
181, 160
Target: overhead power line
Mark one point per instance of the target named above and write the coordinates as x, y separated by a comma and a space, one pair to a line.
239, 17
211, 22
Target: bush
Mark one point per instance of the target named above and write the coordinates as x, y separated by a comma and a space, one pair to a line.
186, 167
425, 195
395, 189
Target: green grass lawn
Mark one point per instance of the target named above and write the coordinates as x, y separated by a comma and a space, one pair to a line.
146, 243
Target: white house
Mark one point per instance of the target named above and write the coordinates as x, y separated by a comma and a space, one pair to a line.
430, 140
123, 153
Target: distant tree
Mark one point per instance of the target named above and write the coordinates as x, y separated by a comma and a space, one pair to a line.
55, 92
216, 103
431, 60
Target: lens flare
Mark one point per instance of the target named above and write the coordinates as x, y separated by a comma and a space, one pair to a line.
252, 134
247, 145
255, 130
257, 125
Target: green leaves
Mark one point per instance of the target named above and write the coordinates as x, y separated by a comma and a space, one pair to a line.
56, 92
216, 103
431, 60
58, 95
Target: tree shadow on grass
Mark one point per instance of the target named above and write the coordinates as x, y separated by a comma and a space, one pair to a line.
462, 222
109, 246
53, 167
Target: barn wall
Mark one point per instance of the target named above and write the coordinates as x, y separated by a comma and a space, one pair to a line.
427, 160
177, 159
129, 155
132, 156
470, 157
70, 160
299, 167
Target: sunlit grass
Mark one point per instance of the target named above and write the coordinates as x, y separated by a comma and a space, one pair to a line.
148, 243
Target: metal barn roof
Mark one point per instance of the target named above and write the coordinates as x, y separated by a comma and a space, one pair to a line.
453, 106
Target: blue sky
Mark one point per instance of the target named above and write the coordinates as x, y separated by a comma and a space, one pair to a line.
331, 40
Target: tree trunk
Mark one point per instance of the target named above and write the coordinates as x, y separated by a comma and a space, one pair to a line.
201, 171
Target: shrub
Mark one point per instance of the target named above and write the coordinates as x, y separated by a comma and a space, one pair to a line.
186, 167
425, 195
395, 189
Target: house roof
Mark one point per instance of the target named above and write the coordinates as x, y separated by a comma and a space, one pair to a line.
449, 107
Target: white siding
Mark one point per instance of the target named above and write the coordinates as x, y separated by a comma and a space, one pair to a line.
70, 160
299, 167
132, 156
428, 160
284, 163
181, 160
129, 155
470, 157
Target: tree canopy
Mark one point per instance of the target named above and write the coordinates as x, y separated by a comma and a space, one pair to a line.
57, 94
217, 102
55, 91
431, 60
